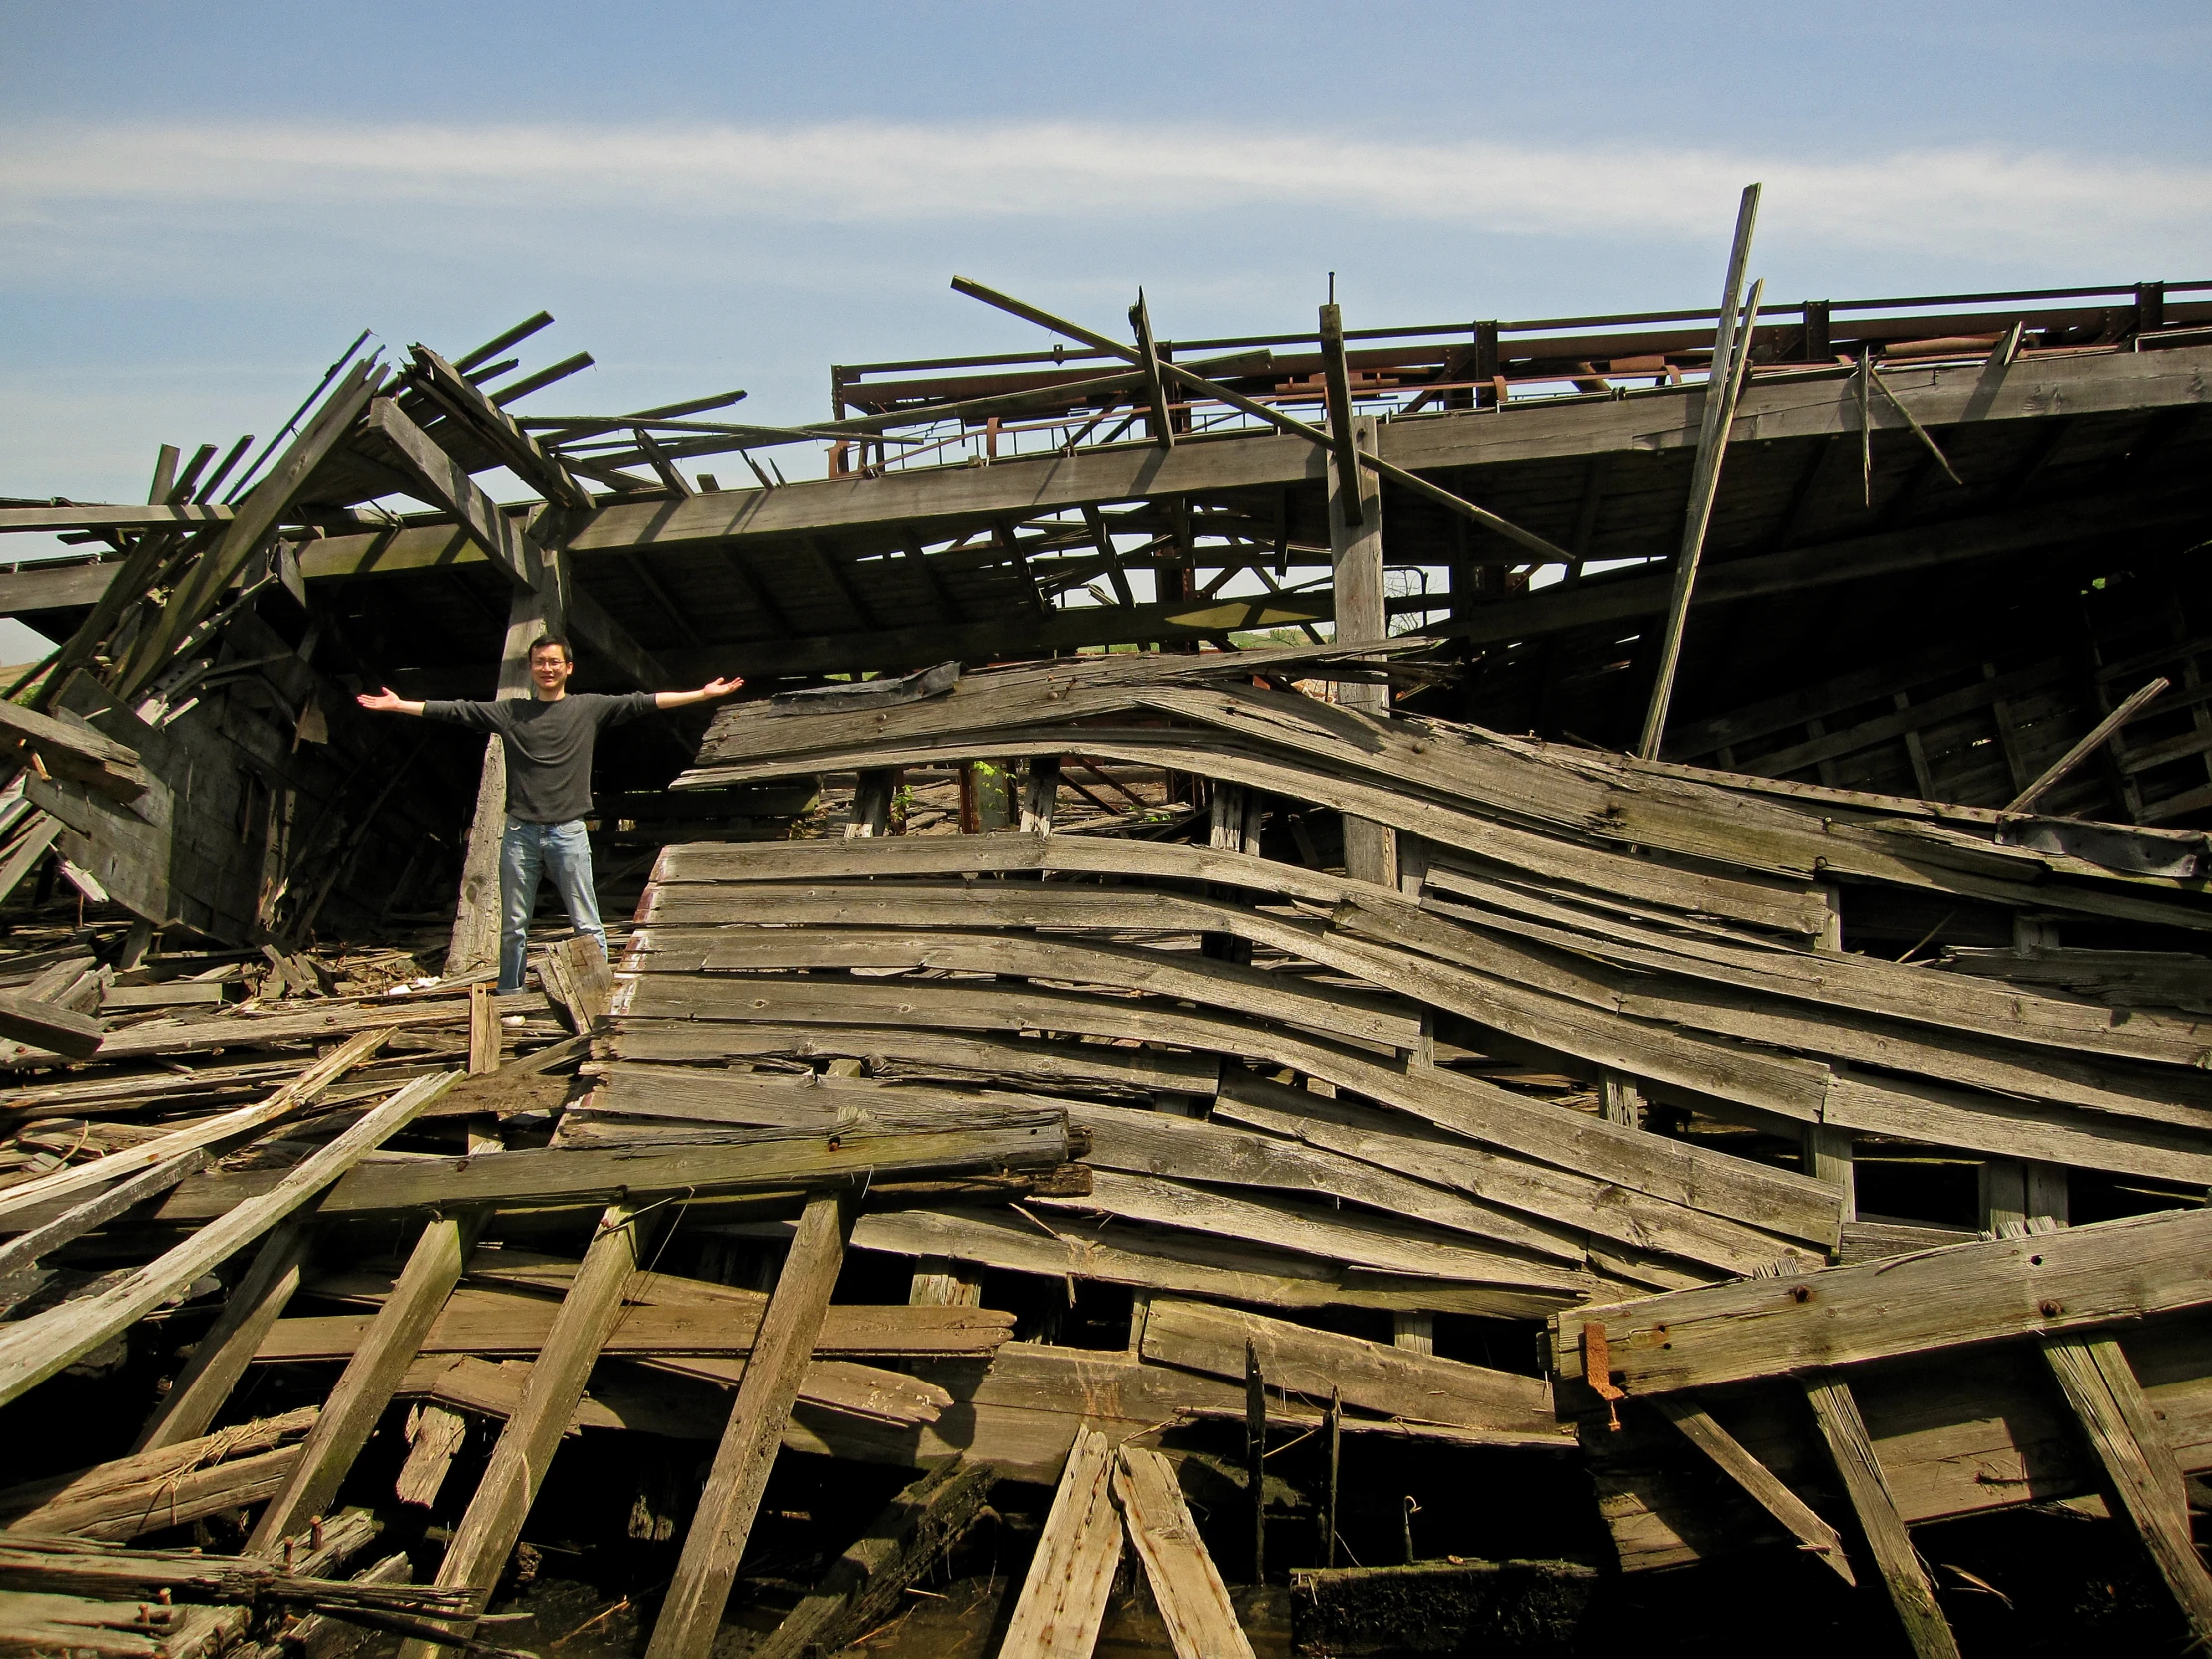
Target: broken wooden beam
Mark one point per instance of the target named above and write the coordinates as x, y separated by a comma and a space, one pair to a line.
692, 1611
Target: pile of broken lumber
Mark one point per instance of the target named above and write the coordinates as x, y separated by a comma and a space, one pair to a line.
1411, 1093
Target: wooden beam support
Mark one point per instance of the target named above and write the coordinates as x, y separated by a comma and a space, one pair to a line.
2064, 1281
1063, 1599
1336, 387
486, 1536
2088, 746
1813, 1535
2138, 1463
517, 450
511, 546
1355, 553
1041, 795
692, 1611
1911, 1592
871, 803
370, 1378
1193, 1601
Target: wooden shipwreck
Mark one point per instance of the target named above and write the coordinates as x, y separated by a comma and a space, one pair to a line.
1399, 985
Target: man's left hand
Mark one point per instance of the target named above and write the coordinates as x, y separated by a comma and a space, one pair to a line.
721, 688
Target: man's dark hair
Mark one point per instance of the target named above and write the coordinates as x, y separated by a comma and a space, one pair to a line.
544, 640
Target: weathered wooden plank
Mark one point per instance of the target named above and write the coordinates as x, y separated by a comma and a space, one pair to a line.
692, 1611
22, 1250
1193, 1601
767, 1159
2005, 1127
1215, 984
2072, 1280
1375, 1377
1777, 1199
493, 1521
1921, 995
2139, 1465
1334, 1235
1191, 1264
147, 1491
902, 1052
303, 1090
40, 1024
1758, 1482
33, 1349
1071, 1574
486, 1323
1911, 1592
372, 1375
1567, 1198
1156, 1143
435, 1435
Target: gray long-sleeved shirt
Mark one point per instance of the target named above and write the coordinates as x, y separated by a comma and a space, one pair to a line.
548, 745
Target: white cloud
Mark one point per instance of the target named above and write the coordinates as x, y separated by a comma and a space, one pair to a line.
1970, 202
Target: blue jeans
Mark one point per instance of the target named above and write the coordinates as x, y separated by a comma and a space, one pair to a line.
528, 851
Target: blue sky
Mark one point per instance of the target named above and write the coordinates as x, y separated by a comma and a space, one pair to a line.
200, 205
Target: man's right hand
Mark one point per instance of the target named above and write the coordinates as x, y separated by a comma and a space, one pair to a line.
388, 702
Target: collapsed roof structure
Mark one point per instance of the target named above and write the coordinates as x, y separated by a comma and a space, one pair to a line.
1681, 834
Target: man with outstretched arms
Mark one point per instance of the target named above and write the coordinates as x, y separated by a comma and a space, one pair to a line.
548, 739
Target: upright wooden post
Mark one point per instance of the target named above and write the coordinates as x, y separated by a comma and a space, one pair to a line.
941, 1282
871, 803
531, 614
1619, 1100
1041, 795
493, 1521
1333, 1425
692, 1611
1356, 552
1413, 1332
483, 1031
1829, 1157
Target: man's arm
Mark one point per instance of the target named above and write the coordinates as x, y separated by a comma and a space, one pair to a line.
708, 693
478, 717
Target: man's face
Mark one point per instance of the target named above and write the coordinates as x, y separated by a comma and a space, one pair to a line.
550, 668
